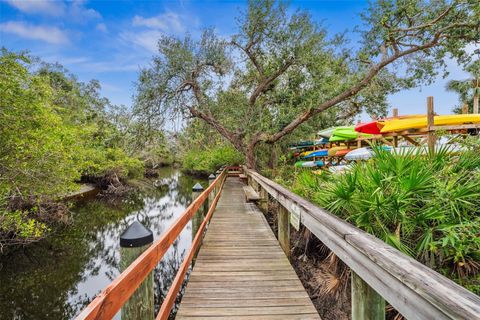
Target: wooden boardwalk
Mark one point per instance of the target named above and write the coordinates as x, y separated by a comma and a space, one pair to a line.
241, 272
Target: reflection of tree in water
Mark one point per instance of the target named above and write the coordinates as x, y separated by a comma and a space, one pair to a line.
56, 278
39, 282
164, 275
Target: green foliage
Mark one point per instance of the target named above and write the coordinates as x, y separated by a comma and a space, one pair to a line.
281, 70
424, 206
464, 88
98, 162
35, 144
54, 131
20, 226
208, 160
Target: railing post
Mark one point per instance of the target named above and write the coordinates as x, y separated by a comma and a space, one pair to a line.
197, 216
430, 122
133, 242
264, 200
211, 196
395, 138
367, 304
284, 229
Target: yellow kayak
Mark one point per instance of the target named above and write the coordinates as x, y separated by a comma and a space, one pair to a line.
333, 150
396, 125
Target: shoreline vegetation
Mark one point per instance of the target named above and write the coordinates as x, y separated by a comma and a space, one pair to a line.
56, 133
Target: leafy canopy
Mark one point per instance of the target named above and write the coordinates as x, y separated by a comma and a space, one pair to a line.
282, 69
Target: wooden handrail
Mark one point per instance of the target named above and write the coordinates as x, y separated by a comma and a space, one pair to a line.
182, 271
113, 297
415, 290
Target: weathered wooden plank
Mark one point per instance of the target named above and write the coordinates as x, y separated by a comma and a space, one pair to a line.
246, 311
255, 317
259, 283
253, 277
240, 270
247, 295
200, 302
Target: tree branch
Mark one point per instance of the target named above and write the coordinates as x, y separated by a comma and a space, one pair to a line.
430, 23
263, 86
373, 71
230, 136
251, 56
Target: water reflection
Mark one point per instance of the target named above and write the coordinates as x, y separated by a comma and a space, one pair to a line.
57, 278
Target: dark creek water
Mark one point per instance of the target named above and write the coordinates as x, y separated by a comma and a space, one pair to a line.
58, 277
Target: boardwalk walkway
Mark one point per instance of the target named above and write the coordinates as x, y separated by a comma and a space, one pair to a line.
241, 272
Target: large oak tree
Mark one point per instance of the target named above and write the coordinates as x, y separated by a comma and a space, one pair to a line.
281, 69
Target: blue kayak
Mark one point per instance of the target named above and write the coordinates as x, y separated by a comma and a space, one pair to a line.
319, 153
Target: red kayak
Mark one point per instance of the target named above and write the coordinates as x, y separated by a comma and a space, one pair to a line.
372, 127
341, 153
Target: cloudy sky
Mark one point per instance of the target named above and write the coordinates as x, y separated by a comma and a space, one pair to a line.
111, 40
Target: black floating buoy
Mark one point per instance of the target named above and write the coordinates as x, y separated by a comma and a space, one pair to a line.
136, 235
197, 187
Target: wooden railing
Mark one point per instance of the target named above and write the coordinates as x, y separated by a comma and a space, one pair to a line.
113, 297
378, 270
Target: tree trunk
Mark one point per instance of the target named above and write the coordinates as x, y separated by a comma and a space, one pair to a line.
250, 157
272, 161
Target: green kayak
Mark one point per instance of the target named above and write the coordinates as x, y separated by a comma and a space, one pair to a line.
345, 133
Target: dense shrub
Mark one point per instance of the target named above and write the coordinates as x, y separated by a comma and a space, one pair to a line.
53, 131
209, 160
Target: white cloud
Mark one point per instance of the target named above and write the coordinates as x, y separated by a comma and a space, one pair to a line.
167, 22
102, 27
148, 30
78, 11
53, 8
65, 60
48, 34
145, 39
75, 9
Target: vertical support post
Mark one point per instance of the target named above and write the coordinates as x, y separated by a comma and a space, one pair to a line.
476, 89
198, 216
430, 122
395, 138
133, 242
264, 201
359, 142
214, 192
284, 229
367, 304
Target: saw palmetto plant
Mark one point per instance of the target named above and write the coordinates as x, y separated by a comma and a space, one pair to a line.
425, 205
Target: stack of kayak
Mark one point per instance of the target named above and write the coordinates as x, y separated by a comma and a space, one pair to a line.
337, 146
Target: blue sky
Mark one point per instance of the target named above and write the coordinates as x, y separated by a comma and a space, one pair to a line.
111, 40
